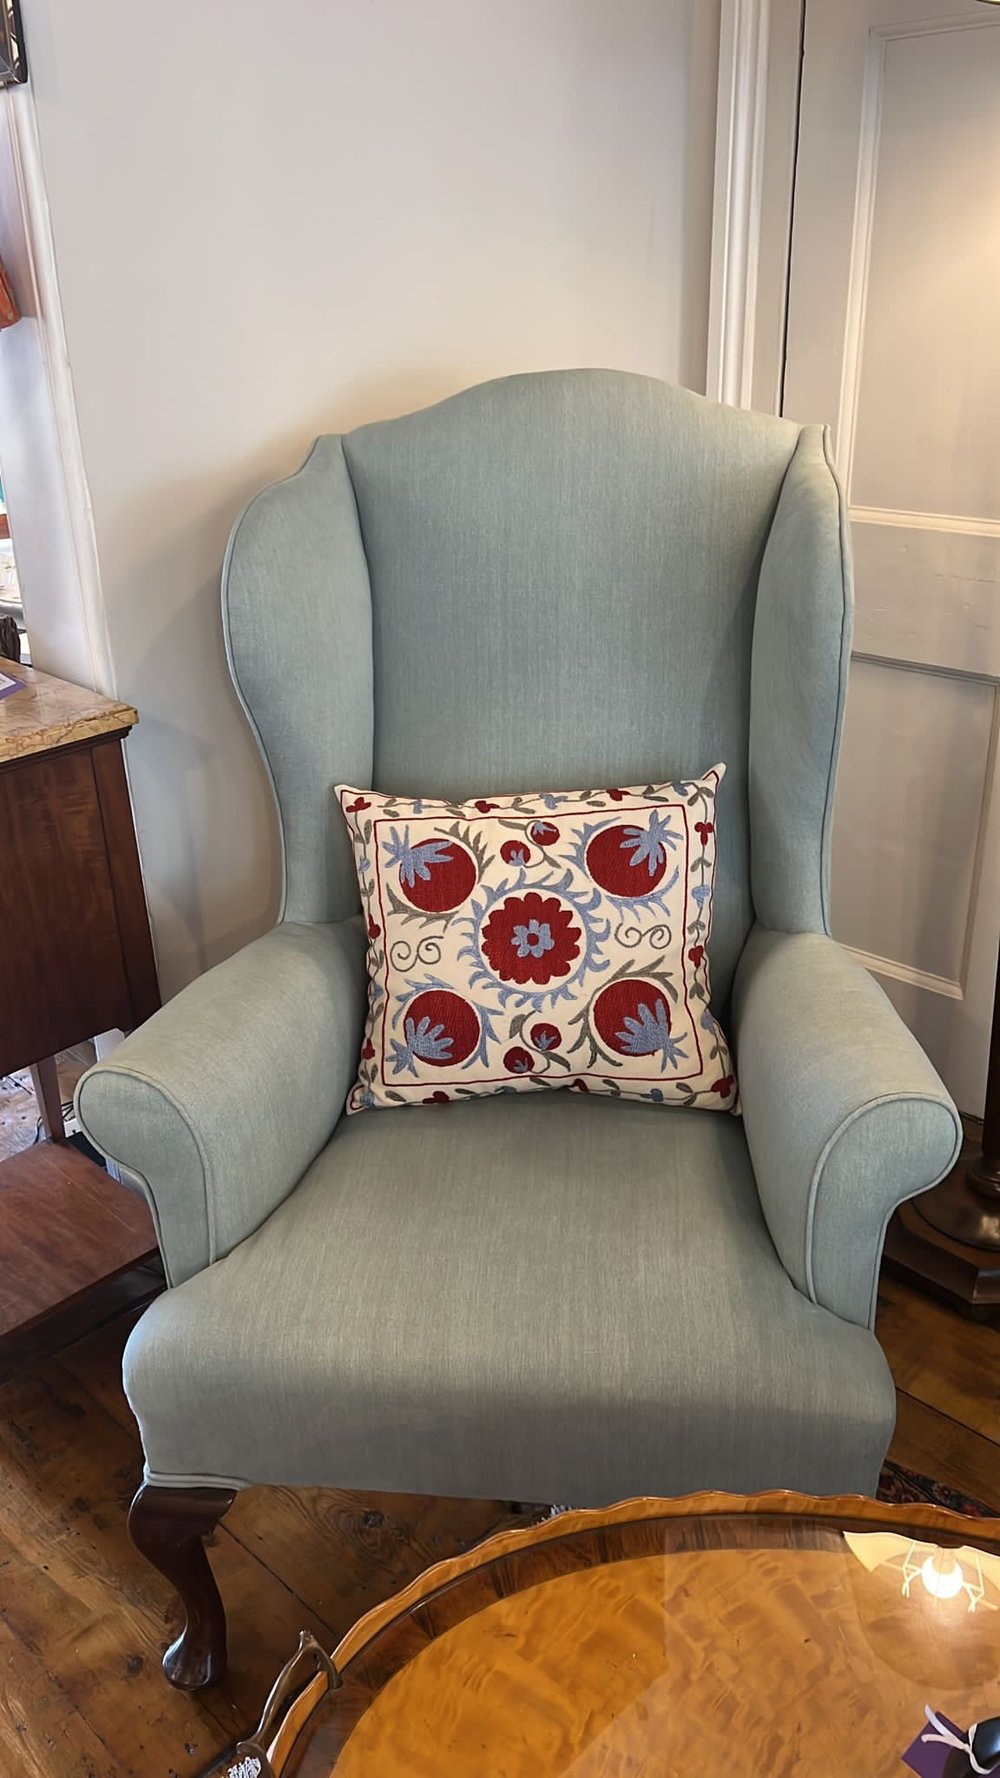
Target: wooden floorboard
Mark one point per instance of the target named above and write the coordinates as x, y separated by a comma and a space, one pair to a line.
941, 1359
943, 1449
83, 1619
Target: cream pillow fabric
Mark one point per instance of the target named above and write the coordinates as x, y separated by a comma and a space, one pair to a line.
519, 942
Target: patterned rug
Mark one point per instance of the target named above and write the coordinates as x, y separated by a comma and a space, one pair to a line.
904, 1486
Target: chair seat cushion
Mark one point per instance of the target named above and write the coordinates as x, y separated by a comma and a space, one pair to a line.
538, 1299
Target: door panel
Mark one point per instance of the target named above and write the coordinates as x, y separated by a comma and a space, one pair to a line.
893, 338
916, 801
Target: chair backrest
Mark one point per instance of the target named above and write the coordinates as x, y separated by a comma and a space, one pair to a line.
547, 582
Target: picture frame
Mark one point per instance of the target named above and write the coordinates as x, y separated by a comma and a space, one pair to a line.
13, 62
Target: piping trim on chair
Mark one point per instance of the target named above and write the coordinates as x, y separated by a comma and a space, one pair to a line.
830, 1144
227, 637
156, 1086
838, 724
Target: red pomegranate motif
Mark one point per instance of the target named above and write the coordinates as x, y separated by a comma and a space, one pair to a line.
543, 833
515, 852
438, 1027
628, 860
545, 1036
435, 875
633, 1017
531, 938
518, 1060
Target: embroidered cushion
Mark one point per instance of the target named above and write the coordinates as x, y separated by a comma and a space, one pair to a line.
519, 942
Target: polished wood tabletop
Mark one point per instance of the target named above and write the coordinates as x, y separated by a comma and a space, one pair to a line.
720, 1634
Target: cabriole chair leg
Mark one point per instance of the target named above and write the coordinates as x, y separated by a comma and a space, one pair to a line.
167, 1525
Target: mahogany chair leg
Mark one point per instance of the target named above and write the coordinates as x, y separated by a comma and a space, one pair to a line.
167, 1525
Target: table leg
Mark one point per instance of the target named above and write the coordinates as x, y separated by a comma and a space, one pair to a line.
45, 1080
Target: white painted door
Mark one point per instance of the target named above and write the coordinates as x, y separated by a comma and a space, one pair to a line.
894, 338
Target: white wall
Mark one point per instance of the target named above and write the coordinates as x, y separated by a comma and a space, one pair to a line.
271, 222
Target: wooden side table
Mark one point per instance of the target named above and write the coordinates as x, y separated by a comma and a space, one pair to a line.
75, 959
75, 951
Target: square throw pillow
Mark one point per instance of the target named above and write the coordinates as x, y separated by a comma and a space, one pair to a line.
520, 942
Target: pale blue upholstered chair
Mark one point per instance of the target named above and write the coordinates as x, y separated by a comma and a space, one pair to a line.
570, 578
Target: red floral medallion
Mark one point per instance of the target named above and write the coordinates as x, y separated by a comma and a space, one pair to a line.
531, 938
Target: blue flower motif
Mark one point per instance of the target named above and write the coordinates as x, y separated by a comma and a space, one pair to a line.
707, 1021
701, 894
655, 1093
534, 939
424, 1040
418, 807
649, 845
649, 1034
414, 861
552, 802
364, 865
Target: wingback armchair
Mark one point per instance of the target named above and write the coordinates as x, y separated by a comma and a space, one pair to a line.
567, 578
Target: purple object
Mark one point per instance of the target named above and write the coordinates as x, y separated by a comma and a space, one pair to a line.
8, 685
930, 1758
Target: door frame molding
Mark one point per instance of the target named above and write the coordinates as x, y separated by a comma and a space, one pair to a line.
68, 628
760, 44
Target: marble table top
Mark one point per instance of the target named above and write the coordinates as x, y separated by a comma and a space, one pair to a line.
44, 713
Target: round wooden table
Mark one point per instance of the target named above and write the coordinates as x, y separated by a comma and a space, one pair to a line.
714, 1635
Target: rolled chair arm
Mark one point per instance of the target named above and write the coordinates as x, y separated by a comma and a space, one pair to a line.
845, 1118
218, 1104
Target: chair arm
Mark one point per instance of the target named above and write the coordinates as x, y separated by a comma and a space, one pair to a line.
219, 1103
844, 1115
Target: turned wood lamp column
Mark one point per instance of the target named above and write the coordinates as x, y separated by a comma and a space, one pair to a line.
973, 1214
950, 1236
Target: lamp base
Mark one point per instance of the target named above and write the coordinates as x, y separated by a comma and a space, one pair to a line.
955, 1208
948, 1241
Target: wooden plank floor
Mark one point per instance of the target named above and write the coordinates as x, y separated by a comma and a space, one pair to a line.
83, 1619
947, 1375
